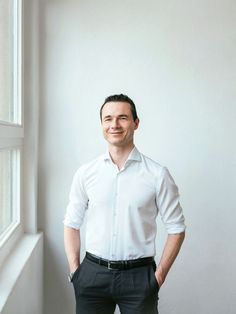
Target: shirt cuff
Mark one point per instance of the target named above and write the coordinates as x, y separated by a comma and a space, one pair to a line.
71, 224
175, 229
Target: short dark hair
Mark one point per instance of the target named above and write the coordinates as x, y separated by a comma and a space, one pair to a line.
123, 98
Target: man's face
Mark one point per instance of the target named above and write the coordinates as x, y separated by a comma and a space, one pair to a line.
118, 124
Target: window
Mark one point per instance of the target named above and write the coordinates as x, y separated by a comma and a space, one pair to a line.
9, 189
11, 122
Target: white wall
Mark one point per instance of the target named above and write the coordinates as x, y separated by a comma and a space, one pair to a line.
176, 59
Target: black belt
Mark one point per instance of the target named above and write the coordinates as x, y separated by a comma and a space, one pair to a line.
120, 265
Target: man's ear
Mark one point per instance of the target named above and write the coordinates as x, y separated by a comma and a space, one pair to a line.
136, 123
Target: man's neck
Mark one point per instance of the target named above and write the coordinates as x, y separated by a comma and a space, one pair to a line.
119, 155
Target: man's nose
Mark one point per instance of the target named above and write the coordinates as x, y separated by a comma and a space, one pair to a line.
115, 123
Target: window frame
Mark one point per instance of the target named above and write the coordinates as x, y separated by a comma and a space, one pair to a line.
12, 133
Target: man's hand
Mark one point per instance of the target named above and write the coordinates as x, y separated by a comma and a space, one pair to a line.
159, 278
73, 268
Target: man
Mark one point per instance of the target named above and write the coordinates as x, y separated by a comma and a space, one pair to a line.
122, 192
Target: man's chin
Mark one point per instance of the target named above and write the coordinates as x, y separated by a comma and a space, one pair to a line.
116, 143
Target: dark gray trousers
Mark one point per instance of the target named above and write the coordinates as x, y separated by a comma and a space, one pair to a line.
98, 289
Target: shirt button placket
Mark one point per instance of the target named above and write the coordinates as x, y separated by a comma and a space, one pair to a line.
114, 221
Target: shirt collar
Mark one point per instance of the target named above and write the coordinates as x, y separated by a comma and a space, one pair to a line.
133, 155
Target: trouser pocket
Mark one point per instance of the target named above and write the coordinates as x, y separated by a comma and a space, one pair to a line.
154, 276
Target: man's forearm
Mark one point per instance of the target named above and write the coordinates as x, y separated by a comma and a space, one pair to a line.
72, 247
170, 252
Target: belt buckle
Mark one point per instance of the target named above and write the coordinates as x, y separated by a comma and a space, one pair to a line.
109, 265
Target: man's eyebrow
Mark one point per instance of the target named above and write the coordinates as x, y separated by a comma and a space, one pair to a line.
109, 116
123, 115
119, 116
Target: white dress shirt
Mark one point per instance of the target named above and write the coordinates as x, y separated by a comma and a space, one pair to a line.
122, 206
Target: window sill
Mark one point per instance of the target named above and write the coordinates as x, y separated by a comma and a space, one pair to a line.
14, 264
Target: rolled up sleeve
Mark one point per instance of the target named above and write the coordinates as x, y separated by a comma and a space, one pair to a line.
167, 200
78, 202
